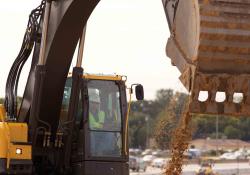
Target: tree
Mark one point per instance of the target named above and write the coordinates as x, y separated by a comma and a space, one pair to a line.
181, 101
1, 100
232, 133
150, 109
163, 132
164, 114
137, 130
204, 126
168, 120
163, 97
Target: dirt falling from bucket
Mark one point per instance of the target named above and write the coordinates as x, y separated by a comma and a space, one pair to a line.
179, 144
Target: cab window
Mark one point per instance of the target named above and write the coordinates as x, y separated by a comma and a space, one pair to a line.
104, 118
66, 101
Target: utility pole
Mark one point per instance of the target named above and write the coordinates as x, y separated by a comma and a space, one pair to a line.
217, 130
147, 127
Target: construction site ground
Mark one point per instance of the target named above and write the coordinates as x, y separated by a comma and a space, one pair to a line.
220, 168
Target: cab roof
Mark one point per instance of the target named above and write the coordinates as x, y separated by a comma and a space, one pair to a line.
103, 77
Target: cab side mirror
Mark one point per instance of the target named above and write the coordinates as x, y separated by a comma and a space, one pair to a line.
139, 92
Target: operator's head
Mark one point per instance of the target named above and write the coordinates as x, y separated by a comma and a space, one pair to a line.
94, 100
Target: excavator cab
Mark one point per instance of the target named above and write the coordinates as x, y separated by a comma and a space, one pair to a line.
99, 143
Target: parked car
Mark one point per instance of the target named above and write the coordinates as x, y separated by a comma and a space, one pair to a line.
137, 164
227, 156
195, 153
147, 152
135, 151
233, 156
148, 159
157, 153
159, 163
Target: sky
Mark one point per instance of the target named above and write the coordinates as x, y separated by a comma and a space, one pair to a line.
125, 37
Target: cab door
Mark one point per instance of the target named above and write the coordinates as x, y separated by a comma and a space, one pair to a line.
103, 132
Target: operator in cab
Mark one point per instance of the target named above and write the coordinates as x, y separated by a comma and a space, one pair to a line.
104, 123
96, 122
96, 116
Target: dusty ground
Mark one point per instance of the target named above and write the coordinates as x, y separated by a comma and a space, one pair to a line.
222, 169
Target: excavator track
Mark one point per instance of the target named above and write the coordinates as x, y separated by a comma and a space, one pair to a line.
210, 44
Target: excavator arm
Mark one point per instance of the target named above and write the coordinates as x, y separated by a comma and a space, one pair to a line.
58, 27
66, 21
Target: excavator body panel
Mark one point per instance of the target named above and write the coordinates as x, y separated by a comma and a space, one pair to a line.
15, 151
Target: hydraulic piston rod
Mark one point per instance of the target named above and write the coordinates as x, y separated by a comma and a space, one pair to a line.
44, 33
81, 47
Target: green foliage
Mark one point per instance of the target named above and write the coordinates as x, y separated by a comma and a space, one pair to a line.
163, 97
164, 130
164, 113
140, 110
228, 127
137, 130
212, 153
232, 132
204, 126
155, 111
1, 100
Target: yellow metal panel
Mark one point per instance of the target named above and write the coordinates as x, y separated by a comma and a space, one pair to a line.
2, 112
103, 77
14, 132
25, 149
3, 140
18, 132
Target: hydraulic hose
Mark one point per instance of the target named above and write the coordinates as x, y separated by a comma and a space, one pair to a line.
30, 38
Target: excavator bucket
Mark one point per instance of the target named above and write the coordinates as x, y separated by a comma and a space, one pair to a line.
210, 45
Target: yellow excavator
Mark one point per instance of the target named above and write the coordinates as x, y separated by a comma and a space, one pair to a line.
67, 123
78, 124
